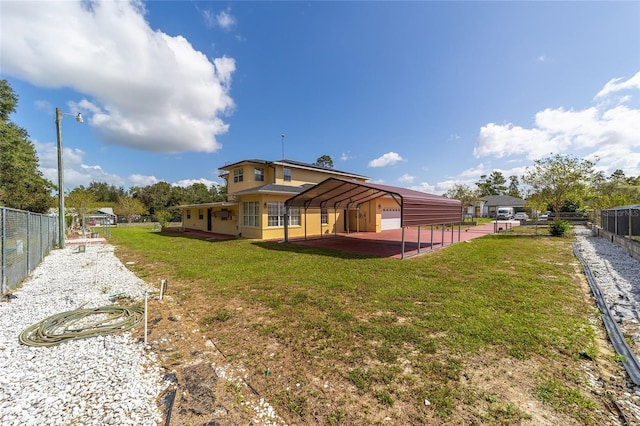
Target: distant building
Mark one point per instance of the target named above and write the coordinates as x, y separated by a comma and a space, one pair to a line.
104, 217
487, 206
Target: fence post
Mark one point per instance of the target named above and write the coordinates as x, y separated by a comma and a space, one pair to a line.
28, 243
3, 213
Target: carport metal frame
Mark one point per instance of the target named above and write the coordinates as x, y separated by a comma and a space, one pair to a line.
416, 208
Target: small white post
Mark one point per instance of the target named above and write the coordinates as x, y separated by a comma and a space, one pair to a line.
146, 298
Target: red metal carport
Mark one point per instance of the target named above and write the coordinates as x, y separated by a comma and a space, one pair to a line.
416, 208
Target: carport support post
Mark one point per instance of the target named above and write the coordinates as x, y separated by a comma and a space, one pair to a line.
452, 230
443, 235
431, 237
402, 254
305, 224
459, 230
418, 238
286, 223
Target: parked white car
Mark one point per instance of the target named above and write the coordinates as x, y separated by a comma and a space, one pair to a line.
521, 216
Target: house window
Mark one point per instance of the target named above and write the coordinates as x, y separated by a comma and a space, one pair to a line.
287, 175
275, 215
238, 175
188, 214
258, 174
251, 213
324, 217
200, 215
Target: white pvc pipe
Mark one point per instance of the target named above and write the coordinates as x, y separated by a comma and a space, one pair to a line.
146, 298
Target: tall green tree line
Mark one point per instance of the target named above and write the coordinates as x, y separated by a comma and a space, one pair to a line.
22, 185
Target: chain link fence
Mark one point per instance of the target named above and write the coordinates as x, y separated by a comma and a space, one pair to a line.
623, 221
25, 239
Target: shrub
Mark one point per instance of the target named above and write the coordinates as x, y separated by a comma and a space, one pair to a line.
560, 228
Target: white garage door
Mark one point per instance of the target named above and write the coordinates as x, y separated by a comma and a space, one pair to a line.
390, 219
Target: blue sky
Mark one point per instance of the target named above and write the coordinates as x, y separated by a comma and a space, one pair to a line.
414, 94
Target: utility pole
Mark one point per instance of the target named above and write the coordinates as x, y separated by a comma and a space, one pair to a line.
282, 136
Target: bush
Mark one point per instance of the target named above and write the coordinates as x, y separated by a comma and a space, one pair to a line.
560, 228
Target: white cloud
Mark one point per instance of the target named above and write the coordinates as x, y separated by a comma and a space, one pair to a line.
610, 131
143, 88
142, 180
76, 173
345, 156
209, 18
406, 178
225, 20
188, 182
438, 189
618, 84
388, 159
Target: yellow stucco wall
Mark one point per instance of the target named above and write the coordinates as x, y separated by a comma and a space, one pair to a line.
275, 174
248, 177
199, 220
366, 219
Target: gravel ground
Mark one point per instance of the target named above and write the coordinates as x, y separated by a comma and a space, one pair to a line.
105, 380
618, 276
113, 380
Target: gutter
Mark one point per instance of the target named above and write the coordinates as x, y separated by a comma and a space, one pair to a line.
629, 360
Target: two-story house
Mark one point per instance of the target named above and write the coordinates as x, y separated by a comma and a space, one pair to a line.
256, 192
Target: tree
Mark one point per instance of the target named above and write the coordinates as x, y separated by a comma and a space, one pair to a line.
105, 192
324, 161
558, 178
22, 185
163, 217
617, 190
158, 196
617, 175
493, 184
465, 194
513, 187
129, 208
81, 200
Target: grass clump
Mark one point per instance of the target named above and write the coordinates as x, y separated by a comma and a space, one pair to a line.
564, 399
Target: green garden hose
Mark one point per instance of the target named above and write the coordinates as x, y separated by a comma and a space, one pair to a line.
73, 325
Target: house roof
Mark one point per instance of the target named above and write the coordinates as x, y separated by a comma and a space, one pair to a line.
503, 201
273, 188
215, 204
417, 208
293, 164
106, 210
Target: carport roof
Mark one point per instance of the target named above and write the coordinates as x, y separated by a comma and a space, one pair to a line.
417, 208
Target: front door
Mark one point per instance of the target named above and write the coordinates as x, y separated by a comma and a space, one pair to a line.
209, 228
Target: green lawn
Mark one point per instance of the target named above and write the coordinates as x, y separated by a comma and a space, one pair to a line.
396, 332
